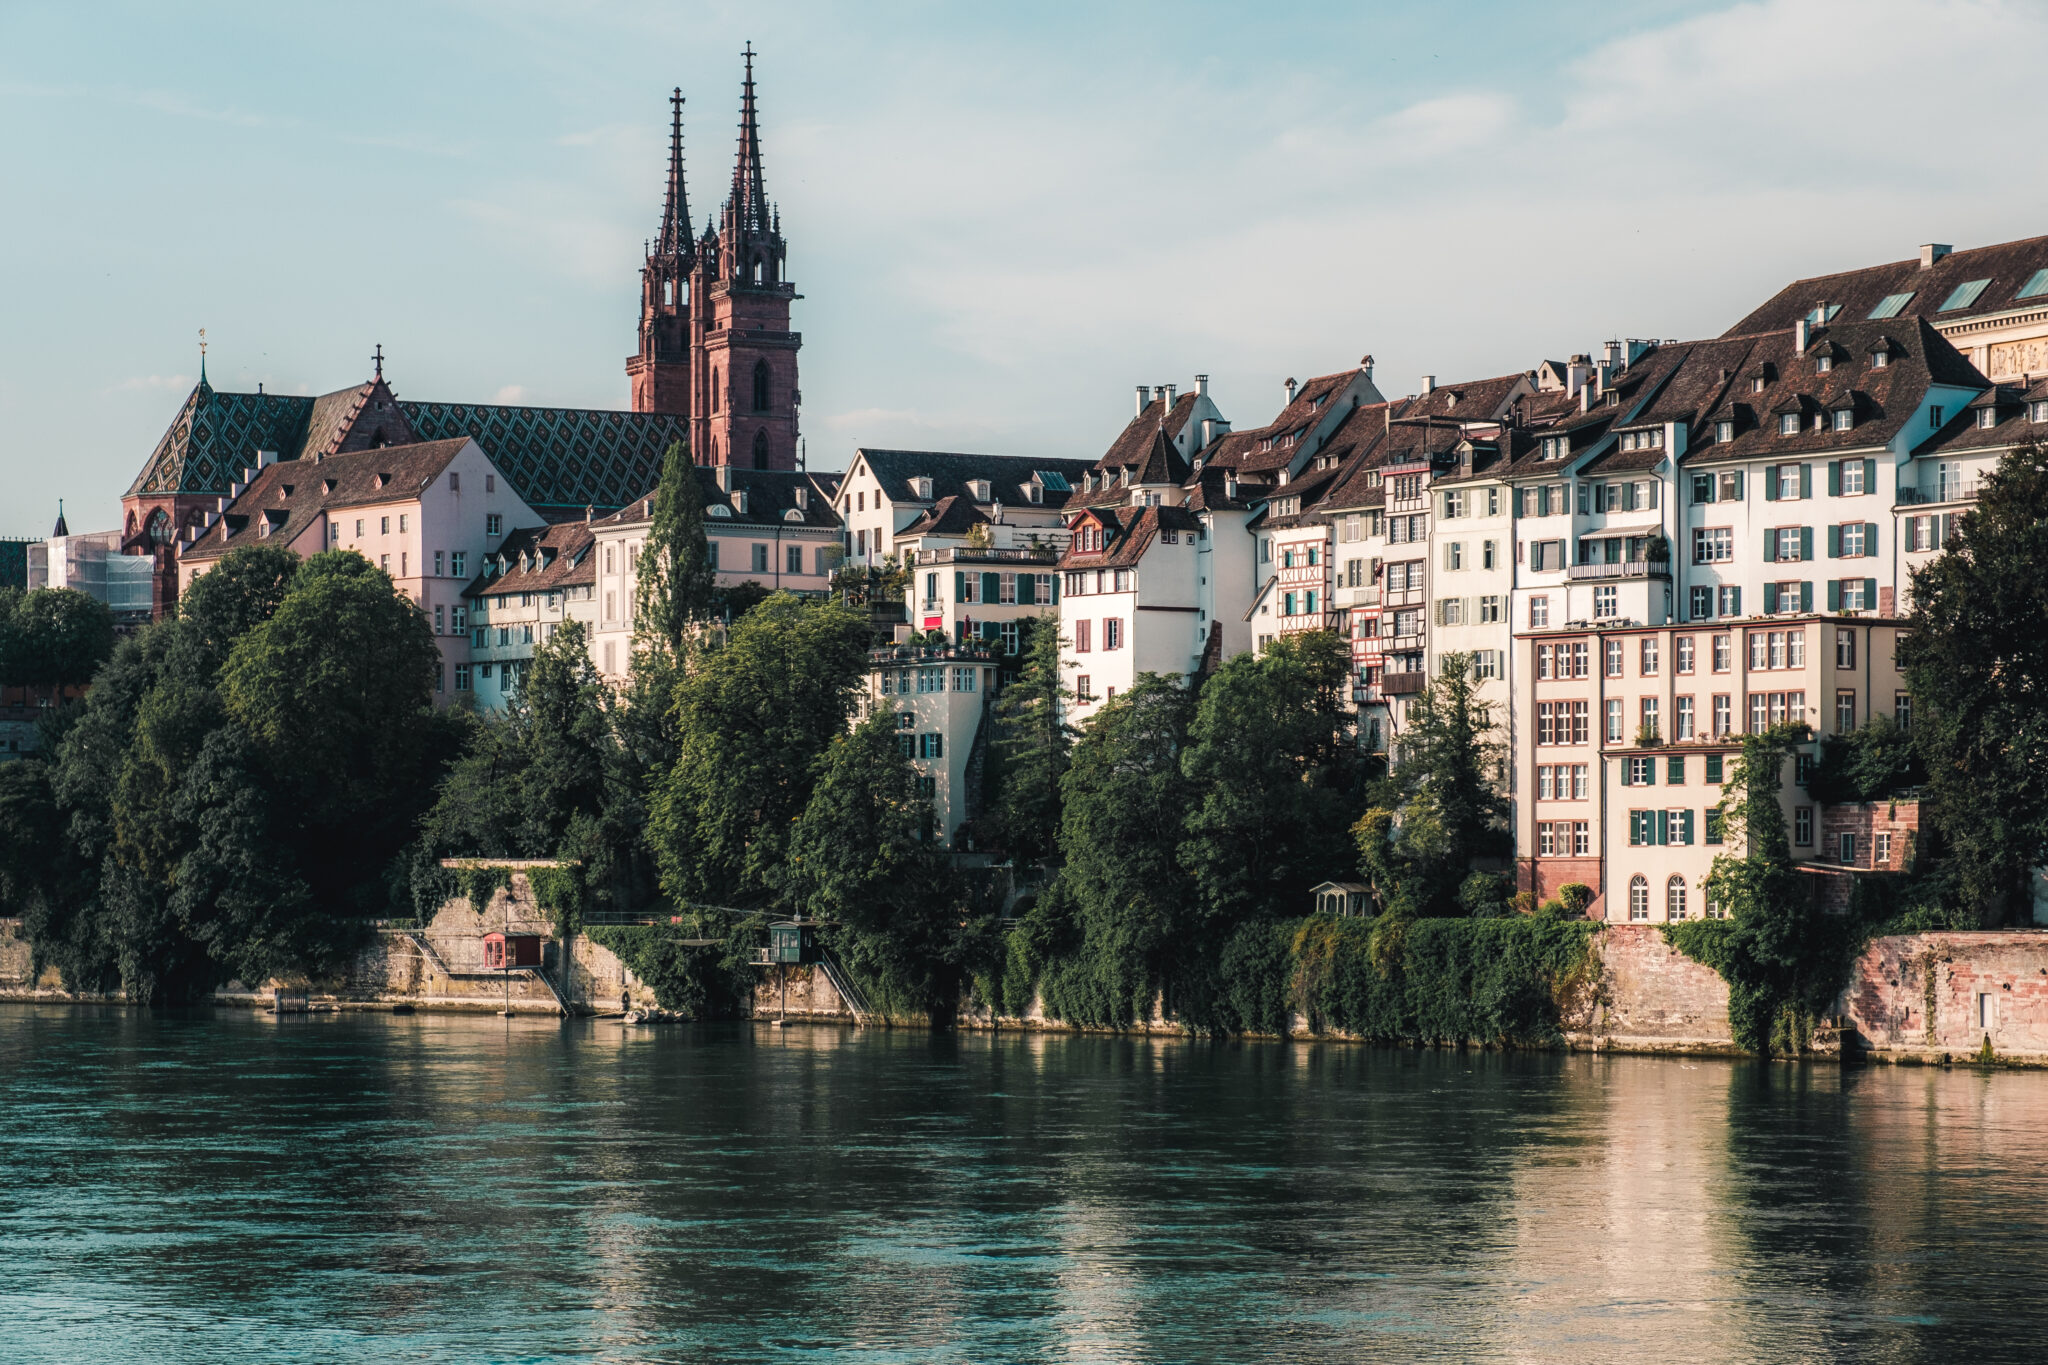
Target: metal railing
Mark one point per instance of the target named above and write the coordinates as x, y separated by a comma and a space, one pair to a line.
1629, 568
967, 554
1949, 492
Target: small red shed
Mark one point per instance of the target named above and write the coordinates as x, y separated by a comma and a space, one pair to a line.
511, 950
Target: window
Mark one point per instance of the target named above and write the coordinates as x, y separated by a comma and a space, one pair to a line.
1883, 855
1788, 424
1674, 898
1578, 790
1987, 418
1823, 363
1845, 711
1791, 481
1724, 715
1489, 609
1963, 295
1454, 555
1853, 540
1713, 544
440, 616
1933, 416
1454, 503
1112, 632
1082, 690
931, 745
1614, 720
1582, 659
1729, 602
1713, 836
1648, 660
1802, 826
2037, 284
1641, 772
1539, 613
1649, 717
1006, 590
493, 524
1638, 898
1845, 418
1606, 601
1083, 636
1682, 721
1879, 359
1845, 647
1546, 842
963, 679
1008, 633
1611, 654
384, 563
1891, 305
793, 559
1851, 594
462, 677
1546, 722
1702, 600
1450, 611
1489, 554
1683, 654
760, 558
1902, 710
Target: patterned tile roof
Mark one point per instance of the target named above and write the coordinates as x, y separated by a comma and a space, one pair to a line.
561, 458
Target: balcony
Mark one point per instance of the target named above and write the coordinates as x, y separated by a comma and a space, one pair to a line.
1959, 491
967, 554
1403, 684
1631, 568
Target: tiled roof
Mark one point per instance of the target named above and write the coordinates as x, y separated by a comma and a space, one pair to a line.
2013, 404
952, 515
2009, 266
951, 471
1277, 444
559, 458
1132, 536
1474, 400
770, 498
538, 559
1134, 443
288, 496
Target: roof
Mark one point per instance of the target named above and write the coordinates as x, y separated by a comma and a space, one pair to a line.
951, 471
1280, 442
2008, 266
563, 458
770, 496
287, 497
952, 515
1130, 535
1133, 444
538, 559
2012, 404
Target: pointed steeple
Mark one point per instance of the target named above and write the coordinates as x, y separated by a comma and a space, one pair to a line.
62, 529
748, 207
675, 210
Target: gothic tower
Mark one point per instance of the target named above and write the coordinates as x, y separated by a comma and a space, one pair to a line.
743, 397
660, 367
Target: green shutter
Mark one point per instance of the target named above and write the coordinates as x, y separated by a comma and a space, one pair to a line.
1686, 822
1713, 767
991, 587
1770, 599
1834, 478
1806, 543
1674, 770
1739, 477
1806, 481
1834, 542
1054, 579
1663, 826
1870, 537
1027, 589
1806, 595
1870, 476
1650, 773
1635, 826
1870, 594
1834, 594
1770, 546
959, 586
1770, 483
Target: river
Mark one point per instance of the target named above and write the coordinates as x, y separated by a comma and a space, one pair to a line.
229, 1187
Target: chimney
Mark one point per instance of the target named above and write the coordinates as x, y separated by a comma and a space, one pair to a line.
265, 458
1365, 366
1611, 355
1930, 252
1428, 385
1172, 394
1801, 335
1144, 397
1290, 389
1208, 432
724, 478
1202, 385
1576, 373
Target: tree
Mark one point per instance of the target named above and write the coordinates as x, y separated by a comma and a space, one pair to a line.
54, 638
753, 718
676, 579
1277, 771
1976, 662
1439, 810
1868, 764
1034, 744
864, 856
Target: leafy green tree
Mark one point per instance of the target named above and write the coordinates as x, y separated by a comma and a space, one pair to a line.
1868, 764
754, 717
676, 580
1976, 662
54, 638
1277, 770
1034, 744
864, 856
1441, 809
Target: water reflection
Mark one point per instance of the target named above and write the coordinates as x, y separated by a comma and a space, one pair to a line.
235, 1187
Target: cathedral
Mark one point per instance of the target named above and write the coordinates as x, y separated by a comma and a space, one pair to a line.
715, 368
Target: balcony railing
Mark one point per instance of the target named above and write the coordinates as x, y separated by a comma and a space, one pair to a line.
966, 554
1941, 492
1631, 568
1403, 684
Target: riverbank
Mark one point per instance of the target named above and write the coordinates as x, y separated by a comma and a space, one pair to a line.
1930, 998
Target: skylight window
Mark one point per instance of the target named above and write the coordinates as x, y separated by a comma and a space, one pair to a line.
1814, 315
2037, 283
1965, 294
1893, 305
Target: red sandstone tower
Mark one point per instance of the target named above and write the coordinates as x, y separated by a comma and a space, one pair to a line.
715, 342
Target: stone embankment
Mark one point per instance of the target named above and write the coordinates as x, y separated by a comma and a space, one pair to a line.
1934, 997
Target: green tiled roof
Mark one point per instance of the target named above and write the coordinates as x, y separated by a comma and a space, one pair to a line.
553, 457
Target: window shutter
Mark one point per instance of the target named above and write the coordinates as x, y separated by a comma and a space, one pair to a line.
1663, 826
959, 585
1739, 476
1806, 595
1770, 483
1685, 821
1834, 542
1834, 478
1674, 770
1870, 537
1806, 543
991, 587
1770, 599
1650, 773
1027, 589
1870, 594
1770, 546
1806, 481
1054, 580
1635, 827
1870, 476
1834, 594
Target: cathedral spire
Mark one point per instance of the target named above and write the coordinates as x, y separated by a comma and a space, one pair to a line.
675, 210
749, 206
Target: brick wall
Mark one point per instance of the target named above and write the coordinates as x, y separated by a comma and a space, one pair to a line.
1920, 996
1654, 998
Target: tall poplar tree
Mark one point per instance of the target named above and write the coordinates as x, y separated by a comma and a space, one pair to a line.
675, 574
1034, 743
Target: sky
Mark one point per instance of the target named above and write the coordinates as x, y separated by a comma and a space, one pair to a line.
1000, 218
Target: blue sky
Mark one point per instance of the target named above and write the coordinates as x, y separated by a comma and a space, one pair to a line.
1001, 218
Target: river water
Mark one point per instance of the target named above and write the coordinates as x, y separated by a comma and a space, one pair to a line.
368, 1187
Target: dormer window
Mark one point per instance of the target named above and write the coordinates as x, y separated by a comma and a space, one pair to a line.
719, 509
1034, 492
1987, 418
1756, 385
1554, 447
739, 500
1724, 432
1880, 358
792, 515
1845, 418
979, 490
921, 487
1823, 363
1788, 424
803, 496
2038, 412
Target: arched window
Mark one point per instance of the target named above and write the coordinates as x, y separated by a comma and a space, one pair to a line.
668, 292
714, 388
1638, 897
760, 450
1674, 898
760, 386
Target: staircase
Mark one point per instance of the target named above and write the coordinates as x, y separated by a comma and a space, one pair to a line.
848, 992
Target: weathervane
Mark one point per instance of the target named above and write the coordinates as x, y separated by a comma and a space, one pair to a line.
202, 355
378, 359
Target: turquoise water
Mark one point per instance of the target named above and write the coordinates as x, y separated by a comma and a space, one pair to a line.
232, 1187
